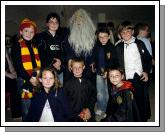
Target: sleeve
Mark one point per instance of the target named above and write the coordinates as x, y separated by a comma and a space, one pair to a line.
114, 60
67, 110
146, 58
17, 62
92, 97
41, 45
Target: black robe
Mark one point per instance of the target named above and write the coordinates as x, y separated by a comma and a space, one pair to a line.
81, 95
122, 106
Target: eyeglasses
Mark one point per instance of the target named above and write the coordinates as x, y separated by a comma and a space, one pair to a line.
53, 22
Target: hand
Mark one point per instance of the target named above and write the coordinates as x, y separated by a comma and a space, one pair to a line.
87, 114
105, 75
33, 81
93, 68
57, 64
144, 77
69, 65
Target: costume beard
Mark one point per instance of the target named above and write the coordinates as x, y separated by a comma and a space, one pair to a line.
82, 35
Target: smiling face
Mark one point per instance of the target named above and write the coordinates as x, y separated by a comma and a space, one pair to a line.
53, 24
47, 80
77, 68
126, 34
28, 33
115, 78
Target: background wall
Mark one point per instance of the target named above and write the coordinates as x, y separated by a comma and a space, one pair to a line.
116, 13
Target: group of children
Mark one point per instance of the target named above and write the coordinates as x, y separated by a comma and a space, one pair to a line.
115, 96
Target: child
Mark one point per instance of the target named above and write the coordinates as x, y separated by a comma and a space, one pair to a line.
81, 93
49, 103
105, 57
141, 32
25, 59
121, 105
135, 59
49, 45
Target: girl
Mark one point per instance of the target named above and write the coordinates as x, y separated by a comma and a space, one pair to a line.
121, 105
49, 103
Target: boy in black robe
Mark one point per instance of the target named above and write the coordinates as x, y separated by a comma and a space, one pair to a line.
121, 106
81, 93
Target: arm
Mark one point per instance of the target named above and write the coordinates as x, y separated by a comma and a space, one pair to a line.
17, 62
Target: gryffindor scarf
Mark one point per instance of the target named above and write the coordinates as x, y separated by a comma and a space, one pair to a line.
26, 57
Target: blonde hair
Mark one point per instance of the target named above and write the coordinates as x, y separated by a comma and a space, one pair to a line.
82, 37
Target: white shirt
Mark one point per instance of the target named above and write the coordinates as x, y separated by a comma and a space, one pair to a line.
47, 115
132, 59
147, 44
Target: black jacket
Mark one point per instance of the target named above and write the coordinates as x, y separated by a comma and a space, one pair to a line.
81, 95
49, 47
110, 56
146, 58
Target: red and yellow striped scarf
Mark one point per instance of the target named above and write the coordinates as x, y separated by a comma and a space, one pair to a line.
26, 58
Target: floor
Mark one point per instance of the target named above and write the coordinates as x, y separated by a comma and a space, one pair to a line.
152, 103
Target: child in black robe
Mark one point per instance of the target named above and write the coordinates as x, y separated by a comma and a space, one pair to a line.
81, 93
121, 106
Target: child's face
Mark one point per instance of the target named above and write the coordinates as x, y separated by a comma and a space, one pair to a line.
115, 77
126, 34
103, 38
28, 33
53, 24
144, 32
47, 79
77, 69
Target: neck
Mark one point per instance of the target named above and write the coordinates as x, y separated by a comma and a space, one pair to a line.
47, 90
119, 84
52, 32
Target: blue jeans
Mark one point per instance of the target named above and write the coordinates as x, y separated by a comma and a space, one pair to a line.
102, 93
60, 76
25, 102
25, 107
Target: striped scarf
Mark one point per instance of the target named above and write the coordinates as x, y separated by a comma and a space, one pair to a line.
26, 57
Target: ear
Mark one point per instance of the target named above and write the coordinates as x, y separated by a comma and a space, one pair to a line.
20, 32
40, 79
84, 67
123, 77
132, 32
47, 24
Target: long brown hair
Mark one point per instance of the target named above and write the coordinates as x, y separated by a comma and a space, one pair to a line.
57, 84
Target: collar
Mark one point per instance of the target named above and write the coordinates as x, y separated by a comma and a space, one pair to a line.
132, 40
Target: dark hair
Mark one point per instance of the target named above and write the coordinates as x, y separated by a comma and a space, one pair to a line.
121, 70
140, 26
125, 25
102, 30
53, 15
110, 24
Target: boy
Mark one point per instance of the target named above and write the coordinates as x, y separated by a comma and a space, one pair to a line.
104, 57
121, 106
25, 58
136, 61
49, 45
81, 93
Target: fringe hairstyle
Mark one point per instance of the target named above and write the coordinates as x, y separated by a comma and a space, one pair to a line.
57, 84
